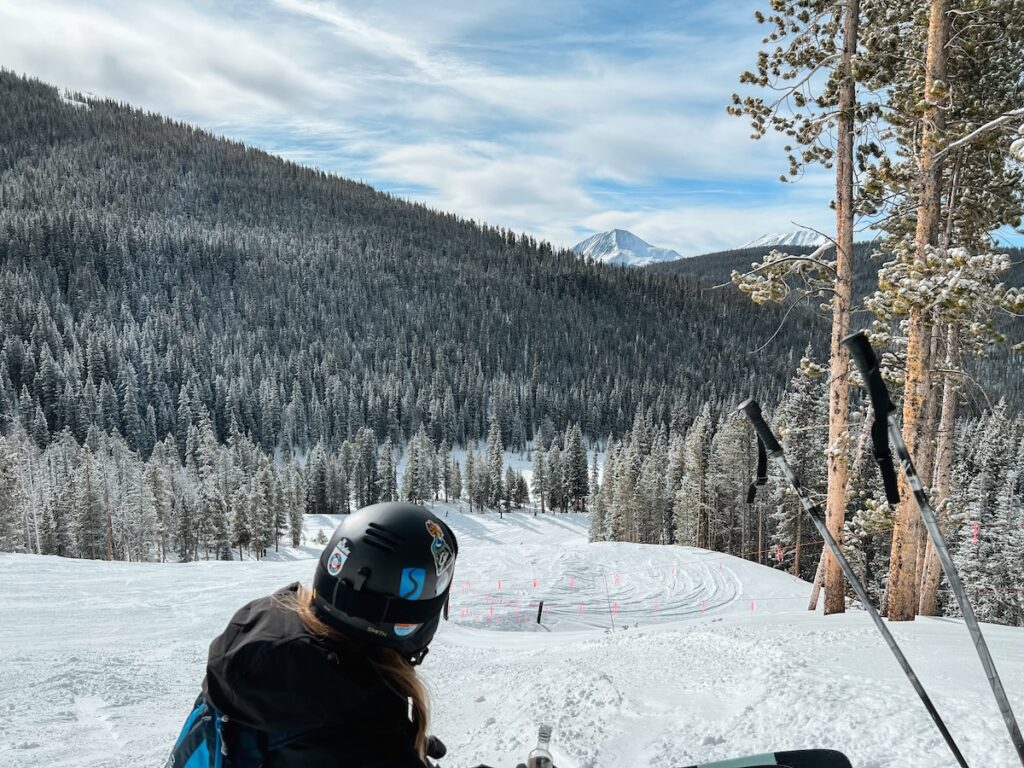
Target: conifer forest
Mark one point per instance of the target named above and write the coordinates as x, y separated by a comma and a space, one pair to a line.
200, 342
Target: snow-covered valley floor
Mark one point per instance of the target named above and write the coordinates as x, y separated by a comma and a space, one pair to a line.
711, 657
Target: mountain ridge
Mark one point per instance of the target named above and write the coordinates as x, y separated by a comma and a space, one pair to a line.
175, 276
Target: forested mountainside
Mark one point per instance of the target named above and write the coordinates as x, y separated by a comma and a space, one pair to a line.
997, 376
153, 272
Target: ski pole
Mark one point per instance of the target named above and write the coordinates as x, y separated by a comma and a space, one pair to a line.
770, 443
867, 364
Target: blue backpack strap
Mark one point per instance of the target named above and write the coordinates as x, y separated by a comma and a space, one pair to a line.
209, 739
192, 748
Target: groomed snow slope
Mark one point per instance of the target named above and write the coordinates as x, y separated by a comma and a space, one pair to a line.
711, 657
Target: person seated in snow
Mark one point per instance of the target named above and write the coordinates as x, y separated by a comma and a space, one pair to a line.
326, 677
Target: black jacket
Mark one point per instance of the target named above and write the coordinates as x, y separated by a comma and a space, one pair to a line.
268, 672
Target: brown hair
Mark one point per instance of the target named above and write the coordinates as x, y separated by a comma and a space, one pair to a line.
396, 672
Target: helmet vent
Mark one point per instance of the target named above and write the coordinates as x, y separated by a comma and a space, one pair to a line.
381, 538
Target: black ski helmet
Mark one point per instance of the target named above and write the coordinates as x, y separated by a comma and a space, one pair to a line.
384, 576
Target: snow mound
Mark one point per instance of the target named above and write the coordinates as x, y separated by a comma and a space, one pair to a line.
710, 656
799, 237
621, 248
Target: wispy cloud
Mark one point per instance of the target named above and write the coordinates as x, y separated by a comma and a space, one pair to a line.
555, 118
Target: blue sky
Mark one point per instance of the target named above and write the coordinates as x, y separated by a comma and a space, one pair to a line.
556, 118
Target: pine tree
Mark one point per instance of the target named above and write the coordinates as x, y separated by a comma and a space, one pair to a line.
575, 469
387, 474
90, 520
472, 488
455, 481
12, 497
691, 505
495, 464
541, 481
800, 421
598, 497
294, 498
556, 483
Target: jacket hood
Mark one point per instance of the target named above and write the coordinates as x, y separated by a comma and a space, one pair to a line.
268, 672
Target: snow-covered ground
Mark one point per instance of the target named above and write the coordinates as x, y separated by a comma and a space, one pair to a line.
710, 657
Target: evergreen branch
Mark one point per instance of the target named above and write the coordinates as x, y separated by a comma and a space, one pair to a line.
978, 133
781, 323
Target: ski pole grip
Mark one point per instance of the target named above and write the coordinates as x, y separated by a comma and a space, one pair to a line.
862, 353
752, 411
867, 363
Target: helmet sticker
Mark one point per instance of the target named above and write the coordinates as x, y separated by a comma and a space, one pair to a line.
405, 629
413, 580
439, 548
443, 580
338, 557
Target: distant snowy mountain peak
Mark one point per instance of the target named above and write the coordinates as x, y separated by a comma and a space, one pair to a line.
621, 248
800, 237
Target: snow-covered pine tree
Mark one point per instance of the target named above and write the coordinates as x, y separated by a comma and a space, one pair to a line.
89, 521
454, 486
731, 466
991, 506
557, 498
387, 473
472, 490
622, 519
600, 518
509, 488
800, 421
294, 497
541, 480
690, 505
495, 464
575, 468
654, 505
12, 497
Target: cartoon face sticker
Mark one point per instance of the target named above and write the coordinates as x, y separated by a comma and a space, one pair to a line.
338, 557
443, 554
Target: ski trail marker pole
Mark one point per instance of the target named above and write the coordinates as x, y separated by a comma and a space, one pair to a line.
867, 363
767, 438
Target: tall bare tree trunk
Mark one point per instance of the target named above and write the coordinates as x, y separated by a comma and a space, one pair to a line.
926, 458
839, 361
903, 561
943, 469
812, 604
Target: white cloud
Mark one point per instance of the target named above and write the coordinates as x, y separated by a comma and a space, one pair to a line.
513, 127
164, 57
